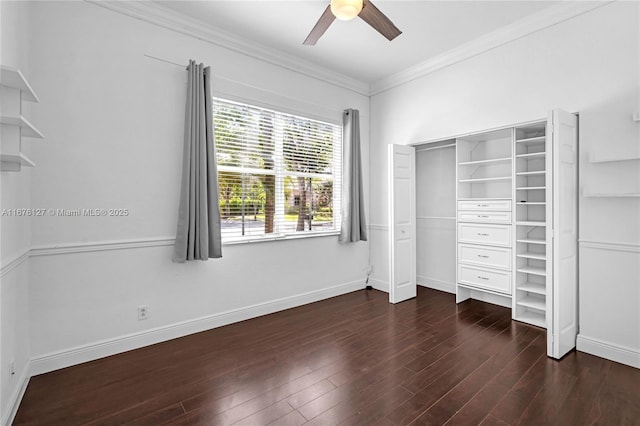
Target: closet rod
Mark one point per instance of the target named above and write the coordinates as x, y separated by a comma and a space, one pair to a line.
435, 147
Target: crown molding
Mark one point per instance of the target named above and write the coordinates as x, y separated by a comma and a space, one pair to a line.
533, 23
154, 13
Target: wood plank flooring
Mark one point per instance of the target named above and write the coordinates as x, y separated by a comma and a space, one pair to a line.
352, 360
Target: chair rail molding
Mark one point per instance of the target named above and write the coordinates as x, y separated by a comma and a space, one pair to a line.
14, 263
610, 245
101, 246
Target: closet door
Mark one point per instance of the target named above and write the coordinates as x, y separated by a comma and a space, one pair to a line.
402, 223
561, 335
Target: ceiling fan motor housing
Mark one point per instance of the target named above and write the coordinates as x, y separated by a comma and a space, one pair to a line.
346, 10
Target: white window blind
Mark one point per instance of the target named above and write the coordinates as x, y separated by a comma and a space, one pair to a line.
278, 174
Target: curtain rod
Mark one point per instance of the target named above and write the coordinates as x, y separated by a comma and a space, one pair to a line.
165, 60
435, 147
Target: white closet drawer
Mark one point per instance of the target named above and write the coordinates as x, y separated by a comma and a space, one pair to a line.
494, 280
493, 257
495, 235
488, 216
500, 205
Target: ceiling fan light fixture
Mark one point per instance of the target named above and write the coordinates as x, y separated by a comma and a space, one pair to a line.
346, 10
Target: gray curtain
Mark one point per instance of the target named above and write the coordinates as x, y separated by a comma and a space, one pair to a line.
198, 234
354, 224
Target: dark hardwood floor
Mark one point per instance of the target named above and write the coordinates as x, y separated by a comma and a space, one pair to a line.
353, 360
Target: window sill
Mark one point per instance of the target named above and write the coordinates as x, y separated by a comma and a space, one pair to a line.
247, 240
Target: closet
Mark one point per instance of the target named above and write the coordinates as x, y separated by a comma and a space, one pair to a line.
496, 220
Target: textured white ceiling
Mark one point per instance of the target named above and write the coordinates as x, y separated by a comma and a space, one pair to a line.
352, 48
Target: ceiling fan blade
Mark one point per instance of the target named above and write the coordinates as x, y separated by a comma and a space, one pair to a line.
372, 16
321, 26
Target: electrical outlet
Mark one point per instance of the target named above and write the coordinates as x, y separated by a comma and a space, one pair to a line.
143, 312
12, 368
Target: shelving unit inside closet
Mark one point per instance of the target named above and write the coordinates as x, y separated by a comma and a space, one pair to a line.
484, 215
532, 211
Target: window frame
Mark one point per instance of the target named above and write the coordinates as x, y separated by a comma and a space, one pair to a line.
281, 173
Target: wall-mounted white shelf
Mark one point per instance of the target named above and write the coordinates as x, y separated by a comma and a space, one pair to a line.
12, 160
531, 203
13, 125
27, 128
12, 77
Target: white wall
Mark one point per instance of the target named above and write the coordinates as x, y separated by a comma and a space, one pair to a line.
588, 64
114, 125
435, 218
15, 231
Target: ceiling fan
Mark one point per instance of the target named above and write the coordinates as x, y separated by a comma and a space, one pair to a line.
346, 10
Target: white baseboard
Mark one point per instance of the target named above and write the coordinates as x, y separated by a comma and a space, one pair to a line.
379, 285
72, 356
16, 396
436, 284
608, 351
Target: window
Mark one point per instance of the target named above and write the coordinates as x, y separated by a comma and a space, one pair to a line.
278, 174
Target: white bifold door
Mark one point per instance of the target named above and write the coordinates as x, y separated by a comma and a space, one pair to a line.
562, 306
402, 223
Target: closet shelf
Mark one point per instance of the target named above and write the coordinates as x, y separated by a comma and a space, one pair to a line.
538, 139
530, 188
531, 155
533, 318
531, 223
533, 270
27, 128
532, 288
532, 241
492, 179
532, 302
531, 203
482, 199
12, 77
492, 161
436, 217
535, 173
530, 255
